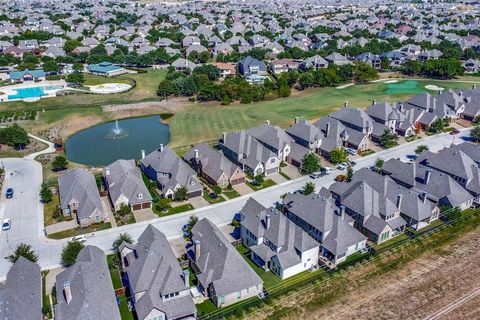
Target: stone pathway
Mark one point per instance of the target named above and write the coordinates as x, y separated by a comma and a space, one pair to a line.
107, 207
49, 149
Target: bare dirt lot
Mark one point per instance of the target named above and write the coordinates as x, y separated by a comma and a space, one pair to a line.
442, 284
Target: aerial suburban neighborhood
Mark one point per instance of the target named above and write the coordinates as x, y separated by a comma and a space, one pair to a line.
227, 159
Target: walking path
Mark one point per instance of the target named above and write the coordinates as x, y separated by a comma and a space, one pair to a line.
49, 149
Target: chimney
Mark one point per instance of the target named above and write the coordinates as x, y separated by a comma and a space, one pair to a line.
186, 276
107, 171
267, 221
400, 107
224, 137
67, 292
342, 212
143, 154
160, 147
474, 87
327, 129
428, 173
345, 104
267, 122
196, 154
373, 102
296, 120
424, 197
399, 200
196, 248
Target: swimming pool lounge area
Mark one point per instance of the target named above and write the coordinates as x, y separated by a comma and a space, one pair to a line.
31, 91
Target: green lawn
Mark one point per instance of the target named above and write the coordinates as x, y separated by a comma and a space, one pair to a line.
211, 200
45, 297
388, 243
79, 231
175, 210
205, 307
194, 123
114, 272
269, 278
145, 90
266, 183
231, 194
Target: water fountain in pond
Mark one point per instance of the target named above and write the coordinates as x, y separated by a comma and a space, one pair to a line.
117, 132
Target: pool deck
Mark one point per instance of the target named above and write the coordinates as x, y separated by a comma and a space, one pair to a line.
12, 89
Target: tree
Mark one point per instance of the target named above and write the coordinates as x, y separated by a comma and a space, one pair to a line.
337, 155
76, 78
124, 210
437, 126
70, 253
51, 66
388, 139
46, 195
14, 136
60, 163
259, 179
475, 134
192, 220
308, 188
379, 164
23, 250
421, 148
211, 71
163, 204
181, 194
310, 163
349, 173
412, 67
122, 237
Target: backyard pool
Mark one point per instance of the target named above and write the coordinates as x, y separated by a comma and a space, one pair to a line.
124, 139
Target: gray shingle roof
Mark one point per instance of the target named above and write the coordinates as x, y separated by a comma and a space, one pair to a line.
154, 270
79, 185
220, 264
93, 297
124, 178
21, 294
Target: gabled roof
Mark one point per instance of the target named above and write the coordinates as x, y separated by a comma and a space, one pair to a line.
220, 264
79, 185
91, 287
124, 178
21, 294
154, 271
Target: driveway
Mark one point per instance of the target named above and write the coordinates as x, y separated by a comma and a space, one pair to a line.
277, 178
144, 215
198, 202
60, 226
291, 171
242, 189
27, 220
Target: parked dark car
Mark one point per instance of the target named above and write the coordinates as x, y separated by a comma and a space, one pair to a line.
9, 193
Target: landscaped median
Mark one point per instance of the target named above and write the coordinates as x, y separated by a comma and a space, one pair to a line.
331, 285
80, 230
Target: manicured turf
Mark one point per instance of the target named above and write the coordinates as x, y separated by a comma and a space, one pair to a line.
205, 307
218, 199
269, 278
178, 209
204, 122
78, 231
231, 194
145, 90
266, 183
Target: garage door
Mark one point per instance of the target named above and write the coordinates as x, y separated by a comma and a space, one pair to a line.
137, 207
145, 205
272, 171
238, 181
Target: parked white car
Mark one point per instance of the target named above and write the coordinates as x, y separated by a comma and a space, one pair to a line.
342, 166
81, 238
6, 224
351, 151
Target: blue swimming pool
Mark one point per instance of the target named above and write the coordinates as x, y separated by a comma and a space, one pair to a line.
34, 92
25, 93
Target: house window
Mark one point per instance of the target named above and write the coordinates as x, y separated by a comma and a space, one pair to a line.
222, 299
239, 294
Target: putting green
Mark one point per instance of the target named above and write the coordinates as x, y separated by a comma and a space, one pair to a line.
404, 87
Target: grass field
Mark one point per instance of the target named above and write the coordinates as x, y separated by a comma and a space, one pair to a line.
145, 90
78, 231
204, 122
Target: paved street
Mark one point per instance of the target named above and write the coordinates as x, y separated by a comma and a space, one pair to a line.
27, 213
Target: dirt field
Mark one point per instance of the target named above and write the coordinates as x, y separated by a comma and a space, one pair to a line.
439, 285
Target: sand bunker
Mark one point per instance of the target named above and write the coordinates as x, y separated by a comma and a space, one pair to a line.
108, 88
345, 86
433, 87
391, 81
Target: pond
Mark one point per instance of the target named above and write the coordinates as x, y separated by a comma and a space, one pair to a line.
123, 139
